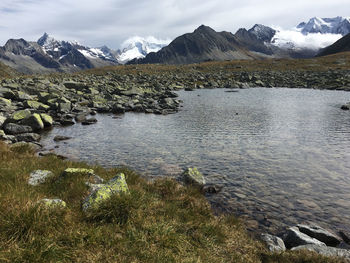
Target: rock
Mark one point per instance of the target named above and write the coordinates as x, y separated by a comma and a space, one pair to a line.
325, 251
132, 91
193, 176
273, 243
46, 119
58, 138
22, 96
35, 105
31, 146
7, 138
294, 238
53, 203
75, 171
115, 186
39, 176
64, 105
34, 121
89, 121
80, 117
345, 106
5, 102
20, 115
75, 85
66, 122
12, 129
2, 120
28, 137
94, 187
345, 236
211, 189
320, 234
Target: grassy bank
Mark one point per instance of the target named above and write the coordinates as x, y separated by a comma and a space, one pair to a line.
160, 221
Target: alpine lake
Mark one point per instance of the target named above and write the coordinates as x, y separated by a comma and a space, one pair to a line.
281, 156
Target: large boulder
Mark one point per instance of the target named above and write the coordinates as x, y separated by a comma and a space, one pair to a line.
46, 119
321, 234
34, 121
39, 177
273, 243
13, 128
116, 185
326, 251
193, 176
20, 115
30, 146
35, 105
28, 137
294, 238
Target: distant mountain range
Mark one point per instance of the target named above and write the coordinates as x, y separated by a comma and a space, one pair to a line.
204, 44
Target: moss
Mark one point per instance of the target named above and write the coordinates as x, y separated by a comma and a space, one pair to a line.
21, 115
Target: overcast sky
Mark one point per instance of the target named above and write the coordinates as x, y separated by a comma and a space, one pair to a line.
110, 22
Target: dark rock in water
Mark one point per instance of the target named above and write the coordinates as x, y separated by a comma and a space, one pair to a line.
325, 251
66, 122
80, 117
28, 137
232, 90
93, 112
294, 238
273, 243
89, 121
61, 138
345, 236
211, 189
320, 234
12, 129
345, 106
189, 89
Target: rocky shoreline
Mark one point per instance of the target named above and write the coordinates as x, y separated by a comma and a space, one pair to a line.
30, 104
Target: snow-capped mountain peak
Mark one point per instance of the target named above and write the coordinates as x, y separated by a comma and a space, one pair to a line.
336, 25
49, 43
139, 47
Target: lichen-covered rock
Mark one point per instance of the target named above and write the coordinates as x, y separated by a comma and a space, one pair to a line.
39, 177
321, 234
326, 251
53, 203
34, 121
30, 146
5, 102
28, 137
75, 171
47, 119
273, 243
20, 115
12, 128
294, 238
115, 186
36, 105
2, 120
193, 176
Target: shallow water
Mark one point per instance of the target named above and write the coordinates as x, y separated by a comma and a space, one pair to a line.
281, 155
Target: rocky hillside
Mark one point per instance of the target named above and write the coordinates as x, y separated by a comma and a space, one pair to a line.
342, 45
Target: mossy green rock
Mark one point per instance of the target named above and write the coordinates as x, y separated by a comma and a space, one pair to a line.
20, 115
193, 176
36, 105
34, 121
47, 119
75, 171
5, 102
53, 203
116, 185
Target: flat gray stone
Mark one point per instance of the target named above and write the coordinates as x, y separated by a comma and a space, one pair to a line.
320, 233
294, 238
326, 251
273, 243
39, 177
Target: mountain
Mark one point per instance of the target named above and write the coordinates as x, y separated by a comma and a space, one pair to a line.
139, 47
263, 33
342, 45
204, 44
336, 25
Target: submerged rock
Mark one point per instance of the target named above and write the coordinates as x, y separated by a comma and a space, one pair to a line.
59, 138
39, 176
193, 176
273, 243
116, 185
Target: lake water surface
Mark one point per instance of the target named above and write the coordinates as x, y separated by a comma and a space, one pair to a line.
281, 155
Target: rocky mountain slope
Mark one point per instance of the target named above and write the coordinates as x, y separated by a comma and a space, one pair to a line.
336, 25
342, 45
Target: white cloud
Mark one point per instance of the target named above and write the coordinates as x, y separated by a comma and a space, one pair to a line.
110, 22
284, 38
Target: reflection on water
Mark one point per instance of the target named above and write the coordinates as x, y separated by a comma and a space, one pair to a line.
281, 155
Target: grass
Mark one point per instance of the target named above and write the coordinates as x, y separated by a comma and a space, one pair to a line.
160, 221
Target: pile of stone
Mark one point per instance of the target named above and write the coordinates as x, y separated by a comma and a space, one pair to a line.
310, 237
